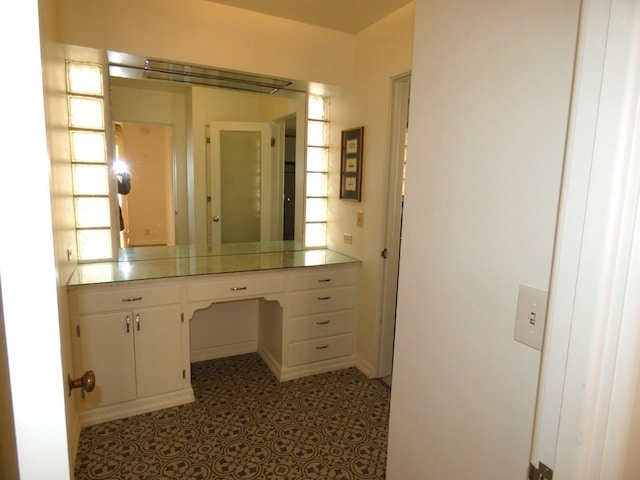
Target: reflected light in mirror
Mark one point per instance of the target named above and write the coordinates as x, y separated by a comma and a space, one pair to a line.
120, 166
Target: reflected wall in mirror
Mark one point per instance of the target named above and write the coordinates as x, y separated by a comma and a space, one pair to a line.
144, 153
186, 113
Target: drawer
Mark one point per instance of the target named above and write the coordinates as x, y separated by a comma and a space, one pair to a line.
320, 301
323, 325
237, 286
320, 349
126, 299
321, 278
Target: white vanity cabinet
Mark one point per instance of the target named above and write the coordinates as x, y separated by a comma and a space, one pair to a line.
321, 318
134, 334
133, 340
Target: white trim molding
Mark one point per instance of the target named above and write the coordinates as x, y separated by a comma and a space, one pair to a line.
590, 356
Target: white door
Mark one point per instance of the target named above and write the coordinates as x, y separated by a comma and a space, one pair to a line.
240, 182
591, 353
395, 195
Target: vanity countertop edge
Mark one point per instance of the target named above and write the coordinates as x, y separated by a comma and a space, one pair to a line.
113, 272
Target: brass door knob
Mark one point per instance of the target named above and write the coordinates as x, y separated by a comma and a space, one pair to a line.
86, 382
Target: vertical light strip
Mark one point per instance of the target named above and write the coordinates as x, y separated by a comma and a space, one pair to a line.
317, 172
85, 97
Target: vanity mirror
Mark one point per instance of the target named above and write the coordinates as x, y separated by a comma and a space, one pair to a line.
215, 160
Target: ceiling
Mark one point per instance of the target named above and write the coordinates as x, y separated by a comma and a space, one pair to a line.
349, 16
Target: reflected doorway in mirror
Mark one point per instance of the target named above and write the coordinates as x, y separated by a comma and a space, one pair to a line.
145, 151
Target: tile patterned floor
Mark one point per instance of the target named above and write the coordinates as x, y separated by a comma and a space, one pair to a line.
245, 424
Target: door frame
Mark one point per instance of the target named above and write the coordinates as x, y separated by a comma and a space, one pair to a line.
400, 90
591, 352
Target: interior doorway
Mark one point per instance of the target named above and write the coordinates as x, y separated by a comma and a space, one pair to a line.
399, 130
144, 168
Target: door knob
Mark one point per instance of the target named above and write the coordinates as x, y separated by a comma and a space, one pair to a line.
216, 218
87, 382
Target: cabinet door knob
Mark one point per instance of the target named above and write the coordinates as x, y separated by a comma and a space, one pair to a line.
137, 322
86, 382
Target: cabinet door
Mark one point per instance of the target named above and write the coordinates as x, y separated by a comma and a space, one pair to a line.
158, 350
107, 348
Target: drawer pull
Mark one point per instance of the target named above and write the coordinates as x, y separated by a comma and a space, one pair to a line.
322, 347
138, 322
134, 299
323, 323
324, 280
235, 289
324, 298
128, 322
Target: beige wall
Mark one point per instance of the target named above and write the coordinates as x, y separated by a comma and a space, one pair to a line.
207, 33
383, 52
490, 95
63, 219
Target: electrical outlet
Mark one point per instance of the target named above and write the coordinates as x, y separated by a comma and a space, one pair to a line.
348, 239
531, 316
359, 219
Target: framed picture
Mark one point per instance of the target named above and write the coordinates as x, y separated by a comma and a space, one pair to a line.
351, 164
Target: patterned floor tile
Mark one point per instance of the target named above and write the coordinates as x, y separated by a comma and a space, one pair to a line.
245, 424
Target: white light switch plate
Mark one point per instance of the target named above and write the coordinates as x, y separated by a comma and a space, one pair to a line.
531, 316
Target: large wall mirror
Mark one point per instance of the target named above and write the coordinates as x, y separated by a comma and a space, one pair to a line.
205, 169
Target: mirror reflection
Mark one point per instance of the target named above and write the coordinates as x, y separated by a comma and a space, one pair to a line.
206, 170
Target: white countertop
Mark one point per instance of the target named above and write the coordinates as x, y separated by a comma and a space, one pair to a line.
188, 262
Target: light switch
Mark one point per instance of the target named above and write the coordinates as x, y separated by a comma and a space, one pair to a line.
531, 315
360, 219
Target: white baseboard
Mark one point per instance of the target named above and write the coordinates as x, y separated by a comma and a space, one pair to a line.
317, 367
74, 440
135, 407
211, 353
365, 367
270, 360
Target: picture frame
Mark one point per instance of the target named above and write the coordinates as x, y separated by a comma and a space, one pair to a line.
351, 164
